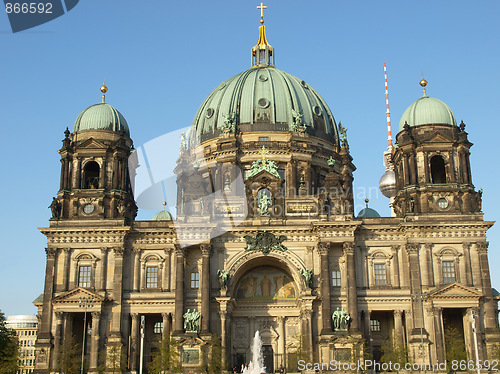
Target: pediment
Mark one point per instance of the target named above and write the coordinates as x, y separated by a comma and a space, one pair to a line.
92, 143
455, 291
191, 341
264, 177
438, 137
73, 296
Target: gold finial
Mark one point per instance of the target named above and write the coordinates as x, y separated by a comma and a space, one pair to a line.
264, 152
164, 205
104, 89
423, 83
367, 201
262, 7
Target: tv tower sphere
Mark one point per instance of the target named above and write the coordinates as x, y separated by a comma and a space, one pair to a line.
387, 184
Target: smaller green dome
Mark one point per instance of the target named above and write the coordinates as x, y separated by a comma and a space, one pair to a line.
368, 213
162, 216
427, 111
101, 116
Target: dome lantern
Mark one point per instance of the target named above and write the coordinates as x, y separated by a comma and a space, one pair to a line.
262, 52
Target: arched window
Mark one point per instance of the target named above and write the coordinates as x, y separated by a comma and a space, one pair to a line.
438, 171
91, 175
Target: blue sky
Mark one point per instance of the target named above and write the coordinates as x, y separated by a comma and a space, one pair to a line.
161, 58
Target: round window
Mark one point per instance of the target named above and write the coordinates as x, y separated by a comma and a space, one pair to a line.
88, 208
263, 103
317, 110
210, 112
304, 84
262, 78
442, 203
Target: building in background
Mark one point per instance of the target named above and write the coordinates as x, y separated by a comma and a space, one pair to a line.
25, 327
265, 238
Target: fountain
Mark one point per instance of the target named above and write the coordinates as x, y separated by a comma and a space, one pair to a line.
256, 366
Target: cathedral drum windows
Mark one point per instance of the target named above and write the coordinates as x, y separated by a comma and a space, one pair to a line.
336, 278
91, 175
85, 270
195, 280
152, 266
438, 170
84, 276
448, 261
152, 277
379, 269
448, 268
379, 274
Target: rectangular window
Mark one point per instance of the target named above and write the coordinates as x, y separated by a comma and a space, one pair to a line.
84, 275
336, 282
195, 280
448, 271
374, 325
158, 328
263, 138
379, 272
152, 277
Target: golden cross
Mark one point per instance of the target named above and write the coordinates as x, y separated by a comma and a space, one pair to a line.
262, 7
264, 152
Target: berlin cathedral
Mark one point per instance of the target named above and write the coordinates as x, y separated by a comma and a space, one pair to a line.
264, 238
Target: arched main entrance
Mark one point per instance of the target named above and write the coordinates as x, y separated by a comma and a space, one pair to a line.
266, 298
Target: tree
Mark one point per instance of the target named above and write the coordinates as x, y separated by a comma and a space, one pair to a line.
455, 346
69, 357
113, 359
215, 362
9, 348
392, 351
166, 358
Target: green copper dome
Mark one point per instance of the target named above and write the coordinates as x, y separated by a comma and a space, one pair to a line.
101, 116
162, 216
427, 111
264, 98
368, 213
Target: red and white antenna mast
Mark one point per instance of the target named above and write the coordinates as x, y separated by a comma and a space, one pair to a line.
388, 112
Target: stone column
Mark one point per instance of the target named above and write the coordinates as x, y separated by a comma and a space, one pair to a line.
102, 173
488, 302
206, 250
134, 349
439, 336
94, 342
415, 285
281, 341
398, 328
67, 268
307, 337
413, 168
468, 269
426, 168
57, 338
179, 290
168, 270
116, 310
352, 297
406, 169
137, 269
395, 265
166, 325
44, 334
326, 326
424, 264
104, 268
223, 338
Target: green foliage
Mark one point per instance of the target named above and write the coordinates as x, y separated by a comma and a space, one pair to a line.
69, 356
360, 351
216, 362
166, 358
455, 346
113, 359
392, 351
9, 348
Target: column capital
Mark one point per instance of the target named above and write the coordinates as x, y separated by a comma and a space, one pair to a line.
59, 316
96, 314
323, 248
482, 247
395, 248
135, 315
466, 245
50, 252
206, 249
167, 251
179, 251
67, 250
348, 247
165, 315
411, 248
137, 250
306, 314
427, 246
398, 313
104, 250
118, 251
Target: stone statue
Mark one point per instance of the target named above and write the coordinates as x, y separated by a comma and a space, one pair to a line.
343, 132
297, 125
229, 123
223, 278
331, 162
55, 207
340, 320
191, 320
264, 203
307, 274
183, 146
227, 183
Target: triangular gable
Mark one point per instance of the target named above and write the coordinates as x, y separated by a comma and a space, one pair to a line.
263, 176
73, 296
438, 137
92, 143
454, 291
